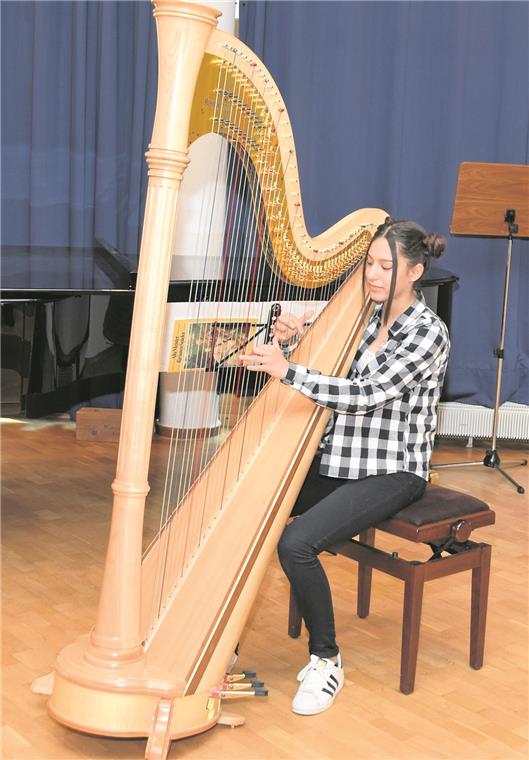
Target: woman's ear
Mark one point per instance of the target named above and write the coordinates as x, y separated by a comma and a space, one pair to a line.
416, 272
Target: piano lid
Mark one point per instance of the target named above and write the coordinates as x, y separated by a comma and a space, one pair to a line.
37, 271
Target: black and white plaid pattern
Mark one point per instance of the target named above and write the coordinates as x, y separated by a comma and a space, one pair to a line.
385, 409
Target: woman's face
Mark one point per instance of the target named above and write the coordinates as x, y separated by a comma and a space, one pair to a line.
378, 271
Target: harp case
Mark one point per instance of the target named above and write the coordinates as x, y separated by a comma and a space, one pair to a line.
154, 662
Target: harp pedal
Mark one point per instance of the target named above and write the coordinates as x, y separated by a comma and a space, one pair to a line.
255, 689
237, 692
232, 677
237, 685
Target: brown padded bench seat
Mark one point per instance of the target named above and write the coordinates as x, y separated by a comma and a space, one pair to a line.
434, 515
439, 504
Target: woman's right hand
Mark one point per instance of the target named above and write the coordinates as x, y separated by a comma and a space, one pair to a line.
288, 325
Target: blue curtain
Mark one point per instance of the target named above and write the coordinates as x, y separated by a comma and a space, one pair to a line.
386, 100
78, 95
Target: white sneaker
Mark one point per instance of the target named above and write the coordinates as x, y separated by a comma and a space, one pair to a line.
320, 682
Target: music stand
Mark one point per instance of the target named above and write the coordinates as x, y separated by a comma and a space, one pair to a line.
492, 200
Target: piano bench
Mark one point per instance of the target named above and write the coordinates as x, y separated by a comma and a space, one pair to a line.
444, 520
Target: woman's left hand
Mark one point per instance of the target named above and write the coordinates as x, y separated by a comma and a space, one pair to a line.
266, 358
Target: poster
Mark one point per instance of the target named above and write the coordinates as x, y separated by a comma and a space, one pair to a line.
207, 344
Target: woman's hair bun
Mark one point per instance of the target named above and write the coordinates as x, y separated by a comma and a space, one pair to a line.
435, 245
382, 228
417, 245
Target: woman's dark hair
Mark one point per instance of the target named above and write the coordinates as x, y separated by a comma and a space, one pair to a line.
415, 244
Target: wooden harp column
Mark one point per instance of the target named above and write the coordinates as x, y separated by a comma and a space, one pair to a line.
136, 676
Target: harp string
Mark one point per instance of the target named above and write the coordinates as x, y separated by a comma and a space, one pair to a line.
233, 213
168, 527
195, 453
195, 448
233, 229
251, 268
270, 185
255, 266
248, 272
233, 271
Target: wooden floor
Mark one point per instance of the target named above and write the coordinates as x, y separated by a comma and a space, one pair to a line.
55, 520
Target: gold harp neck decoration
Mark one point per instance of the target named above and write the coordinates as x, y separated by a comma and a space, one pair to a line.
237, 98
154, 663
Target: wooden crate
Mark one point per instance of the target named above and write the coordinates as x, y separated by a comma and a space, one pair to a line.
94, 424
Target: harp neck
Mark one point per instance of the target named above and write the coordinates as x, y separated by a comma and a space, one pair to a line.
237, 98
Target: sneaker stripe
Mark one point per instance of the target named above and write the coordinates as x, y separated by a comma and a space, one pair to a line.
334, 679
330, 693
332, 686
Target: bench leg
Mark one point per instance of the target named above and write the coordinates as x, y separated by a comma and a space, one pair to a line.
411, 623
478, 613
294, 618
365, 574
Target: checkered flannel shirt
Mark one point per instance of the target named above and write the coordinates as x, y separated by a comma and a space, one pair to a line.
385, 412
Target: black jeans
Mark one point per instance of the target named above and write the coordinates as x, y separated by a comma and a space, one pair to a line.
331, 511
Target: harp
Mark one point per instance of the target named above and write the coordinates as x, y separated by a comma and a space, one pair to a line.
167, 623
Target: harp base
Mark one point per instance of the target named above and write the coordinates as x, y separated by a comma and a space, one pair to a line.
160, 736
112, 713
231, 719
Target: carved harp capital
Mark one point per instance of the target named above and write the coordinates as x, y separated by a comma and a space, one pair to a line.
166, 164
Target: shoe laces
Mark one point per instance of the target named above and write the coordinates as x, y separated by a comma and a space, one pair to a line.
313, 673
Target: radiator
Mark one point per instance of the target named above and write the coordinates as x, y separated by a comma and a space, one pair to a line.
470, 421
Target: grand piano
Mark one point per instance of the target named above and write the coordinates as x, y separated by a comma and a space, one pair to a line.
66, 317
65, 323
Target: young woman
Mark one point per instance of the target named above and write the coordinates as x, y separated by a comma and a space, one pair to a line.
375, 454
